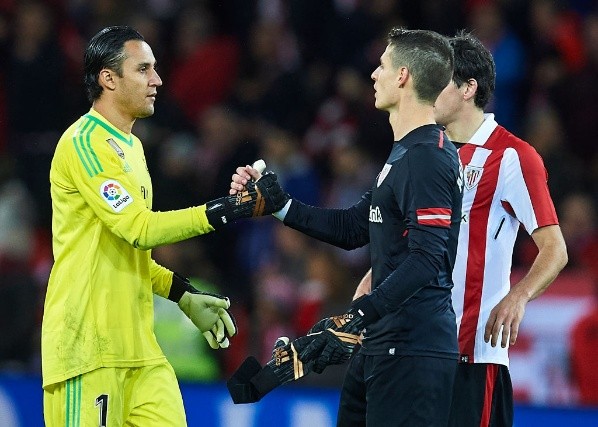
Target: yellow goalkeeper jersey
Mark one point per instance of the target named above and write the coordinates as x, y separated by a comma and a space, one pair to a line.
98, 310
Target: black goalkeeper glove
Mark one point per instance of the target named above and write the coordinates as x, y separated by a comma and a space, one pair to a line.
335, 337
262, 197
251, 381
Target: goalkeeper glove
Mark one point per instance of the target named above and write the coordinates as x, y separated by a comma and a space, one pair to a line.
262, 197
208, 311
251, 381
339, 335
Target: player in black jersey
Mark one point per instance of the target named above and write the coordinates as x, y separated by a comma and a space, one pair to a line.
403, 373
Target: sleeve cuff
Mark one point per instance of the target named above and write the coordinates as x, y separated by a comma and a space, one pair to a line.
281, 214
367, 309
179, 286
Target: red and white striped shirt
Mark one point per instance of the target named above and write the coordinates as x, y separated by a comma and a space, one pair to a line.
504, 185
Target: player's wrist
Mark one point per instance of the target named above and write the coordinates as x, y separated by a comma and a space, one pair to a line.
365, 311
281, 214
219, 212
179, 286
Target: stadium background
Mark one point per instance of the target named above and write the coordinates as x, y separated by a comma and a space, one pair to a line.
288, 81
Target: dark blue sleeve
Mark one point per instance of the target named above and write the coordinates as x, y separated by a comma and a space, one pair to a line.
428, 201
344, 228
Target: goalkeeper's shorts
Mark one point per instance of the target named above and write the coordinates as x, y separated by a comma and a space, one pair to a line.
146, 396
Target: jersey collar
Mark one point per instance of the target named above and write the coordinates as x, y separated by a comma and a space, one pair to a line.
484, 131
96, 117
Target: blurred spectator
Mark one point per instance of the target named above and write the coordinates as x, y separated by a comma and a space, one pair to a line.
36, 71
487, 22
556, 31
584, 346
336, 122
282, 152
275, 302
353, 173
325, 291
205, 65
19, 293
544, 131
270, 84
578, 223
575, 96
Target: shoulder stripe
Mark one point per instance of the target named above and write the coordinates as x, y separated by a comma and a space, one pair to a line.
110, 130
82, 142
93, 153
82, 128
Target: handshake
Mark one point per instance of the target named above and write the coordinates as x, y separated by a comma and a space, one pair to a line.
331, 341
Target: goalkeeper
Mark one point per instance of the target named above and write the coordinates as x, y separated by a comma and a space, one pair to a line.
100, 358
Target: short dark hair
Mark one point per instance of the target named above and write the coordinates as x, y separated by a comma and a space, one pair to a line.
106, 50
474, 61
427, 55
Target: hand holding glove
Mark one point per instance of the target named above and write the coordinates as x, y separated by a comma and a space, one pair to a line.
208, 311
336, 337
251, 381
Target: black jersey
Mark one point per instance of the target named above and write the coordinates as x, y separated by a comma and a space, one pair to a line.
411, 220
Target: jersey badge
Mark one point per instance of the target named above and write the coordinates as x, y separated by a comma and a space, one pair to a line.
473, 174
383, 174
116, 148
115, 195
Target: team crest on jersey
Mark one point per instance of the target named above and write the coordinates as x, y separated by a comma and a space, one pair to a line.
118, 150
473, 174
115, 195
383, 174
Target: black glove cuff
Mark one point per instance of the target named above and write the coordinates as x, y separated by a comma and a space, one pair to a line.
240, 387
265, 381
217, 213
366, 310
179, 286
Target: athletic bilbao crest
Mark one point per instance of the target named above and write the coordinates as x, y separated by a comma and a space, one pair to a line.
473, 174
383, 174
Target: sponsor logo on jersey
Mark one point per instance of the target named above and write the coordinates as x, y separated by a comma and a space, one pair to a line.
473, 174
375, 215
383, 174
115, 195
116, 148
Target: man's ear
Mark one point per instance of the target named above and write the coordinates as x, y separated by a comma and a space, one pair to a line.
470, 89
402, 76
106, 79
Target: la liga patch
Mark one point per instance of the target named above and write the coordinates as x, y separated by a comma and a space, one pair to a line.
115, 195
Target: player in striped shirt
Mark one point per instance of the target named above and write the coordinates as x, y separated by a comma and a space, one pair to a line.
505, 186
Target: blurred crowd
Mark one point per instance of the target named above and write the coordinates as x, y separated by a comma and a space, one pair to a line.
287, 81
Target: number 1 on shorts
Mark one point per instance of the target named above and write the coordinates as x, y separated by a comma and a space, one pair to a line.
102, 402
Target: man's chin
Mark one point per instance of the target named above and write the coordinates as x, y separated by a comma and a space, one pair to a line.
145, 113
